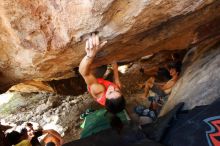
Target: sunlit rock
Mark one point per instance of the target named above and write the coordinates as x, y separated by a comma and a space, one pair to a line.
44, 40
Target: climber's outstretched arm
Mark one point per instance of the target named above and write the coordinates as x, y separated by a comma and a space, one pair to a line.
116, 75
92, 47
85, 70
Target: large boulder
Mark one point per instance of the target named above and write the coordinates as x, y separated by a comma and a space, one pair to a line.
44, 39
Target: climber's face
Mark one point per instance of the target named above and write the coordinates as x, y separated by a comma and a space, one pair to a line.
173, 72
30, 131
113, 92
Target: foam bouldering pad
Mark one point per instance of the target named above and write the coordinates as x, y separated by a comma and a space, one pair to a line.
98, 121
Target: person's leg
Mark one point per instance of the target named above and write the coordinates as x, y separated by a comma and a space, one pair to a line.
148, 85
156, 89
146, 90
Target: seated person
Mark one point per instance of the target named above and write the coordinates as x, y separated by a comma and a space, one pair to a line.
51, 136
24, 141
33, 134
162, 90
18, 139
106, 93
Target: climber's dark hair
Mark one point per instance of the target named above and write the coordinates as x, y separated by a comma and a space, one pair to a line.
115, 105
116, 123
175, 65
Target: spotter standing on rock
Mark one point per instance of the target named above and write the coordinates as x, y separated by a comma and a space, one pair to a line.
106, 93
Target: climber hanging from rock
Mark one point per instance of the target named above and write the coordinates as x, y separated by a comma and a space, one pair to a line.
104, 92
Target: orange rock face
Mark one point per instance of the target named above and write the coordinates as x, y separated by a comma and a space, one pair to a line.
44, 40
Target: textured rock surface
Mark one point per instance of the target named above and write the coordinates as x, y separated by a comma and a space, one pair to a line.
62, 112
31, 86
43, 40
199, 84
49, 111
71, 86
